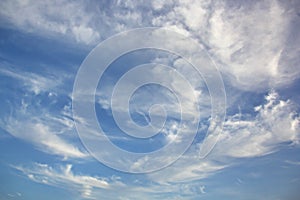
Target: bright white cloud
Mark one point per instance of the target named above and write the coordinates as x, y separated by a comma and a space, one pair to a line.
249, 41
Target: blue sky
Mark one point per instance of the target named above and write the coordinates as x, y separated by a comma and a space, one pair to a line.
255, 46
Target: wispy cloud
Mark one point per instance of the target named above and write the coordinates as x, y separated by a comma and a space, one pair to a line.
275, 123
33, 121
222, 27
44, 138
45, 18
239, 50
255, 44
95, 187
291, 162
32, 81
243, 51
63, 176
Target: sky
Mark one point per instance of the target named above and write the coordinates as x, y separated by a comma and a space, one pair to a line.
203, 106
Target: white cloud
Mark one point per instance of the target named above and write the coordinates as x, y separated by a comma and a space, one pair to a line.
196, 96
170, 132
43, 137
202, 189
64, 177
85, 34
142, 100
192, 13
187, 168
31, 120
33, 82
291, 162
159, 5
249, 41
48, 18
15, 195
95, 187
276, 122
244, 136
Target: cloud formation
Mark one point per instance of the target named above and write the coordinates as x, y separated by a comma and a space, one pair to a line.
32, 119
46, 18
44, 138
63, 176
245, 136
247, 39
254, 43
